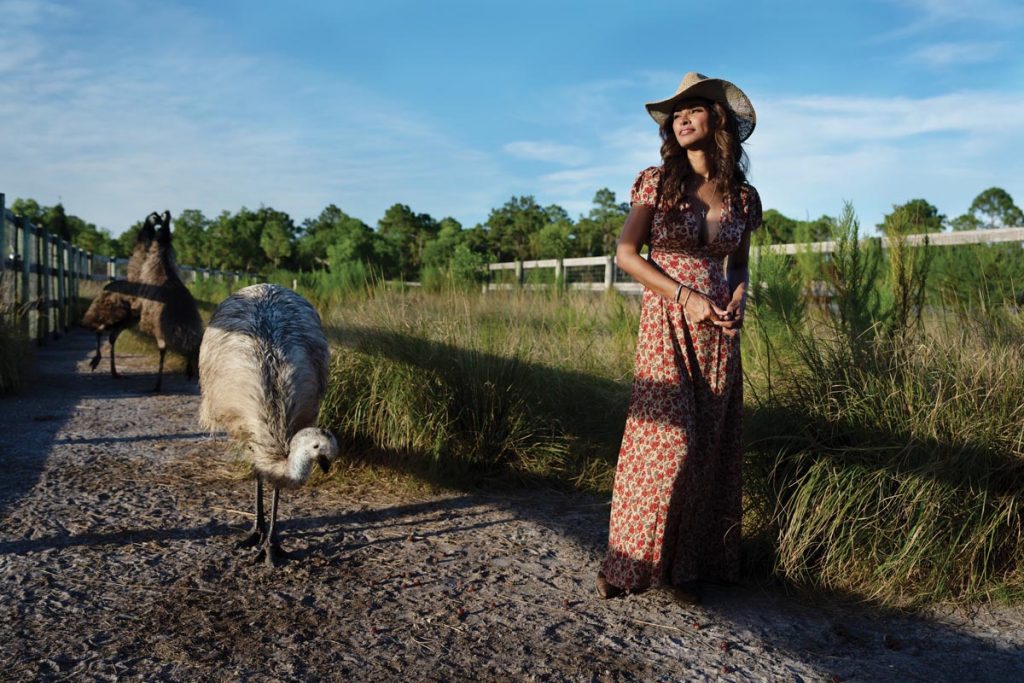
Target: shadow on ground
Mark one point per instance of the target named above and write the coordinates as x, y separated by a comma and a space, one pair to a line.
31, 419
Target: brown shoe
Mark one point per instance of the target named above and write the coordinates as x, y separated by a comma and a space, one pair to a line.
607, 590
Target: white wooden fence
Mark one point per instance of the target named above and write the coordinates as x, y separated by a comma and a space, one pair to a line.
41, 276
599, 273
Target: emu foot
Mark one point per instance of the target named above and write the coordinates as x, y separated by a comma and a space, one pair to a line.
95, 362
272, 555
252, 540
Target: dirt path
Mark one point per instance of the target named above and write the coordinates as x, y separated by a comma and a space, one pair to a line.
117, 522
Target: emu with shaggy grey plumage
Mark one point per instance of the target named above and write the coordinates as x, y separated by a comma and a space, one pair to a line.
263, 368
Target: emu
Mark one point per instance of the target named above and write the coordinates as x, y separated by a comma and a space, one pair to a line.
115, 308
167, 311
263, 368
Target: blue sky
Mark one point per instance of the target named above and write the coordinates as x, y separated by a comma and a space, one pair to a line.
120, 107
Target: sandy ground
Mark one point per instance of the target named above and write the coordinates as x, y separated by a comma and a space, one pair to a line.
117, 523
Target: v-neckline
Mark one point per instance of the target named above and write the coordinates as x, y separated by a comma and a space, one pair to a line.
702, 224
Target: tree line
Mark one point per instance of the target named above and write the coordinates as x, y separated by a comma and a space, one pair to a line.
401, 245
405, 243
993, 208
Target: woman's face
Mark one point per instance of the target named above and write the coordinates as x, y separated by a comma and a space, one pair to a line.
691, 123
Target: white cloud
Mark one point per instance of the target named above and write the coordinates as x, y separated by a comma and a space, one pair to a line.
809, 154
957, 54
186, 122
942, 16
815, 121
998, 12
552, 152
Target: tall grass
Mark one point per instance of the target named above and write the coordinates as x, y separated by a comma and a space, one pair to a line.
210, 292
327, 289
467, 387
886, 456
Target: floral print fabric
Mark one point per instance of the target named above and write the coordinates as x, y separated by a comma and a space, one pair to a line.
676, 505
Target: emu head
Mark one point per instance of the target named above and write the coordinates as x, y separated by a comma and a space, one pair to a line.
313, 444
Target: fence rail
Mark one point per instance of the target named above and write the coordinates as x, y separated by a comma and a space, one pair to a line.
41, 275
599, 273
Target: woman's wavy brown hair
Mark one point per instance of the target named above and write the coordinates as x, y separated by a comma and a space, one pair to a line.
727, 162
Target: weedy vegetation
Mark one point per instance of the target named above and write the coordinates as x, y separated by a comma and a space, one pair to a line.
15, 348
885, 433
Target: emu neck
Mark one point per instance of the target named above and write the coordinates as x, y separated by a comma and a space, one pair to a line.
289, 471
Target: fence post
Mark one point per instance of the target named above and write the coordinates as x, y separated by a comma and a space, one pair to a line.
43, 286
3, 253
50, 305
559, 277
609, 272
26, 270
76, 282
62, 302
519, 273
3, 237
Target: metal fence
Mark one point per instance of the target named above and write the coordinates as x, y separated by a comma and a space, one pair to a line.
599, 273
42, 274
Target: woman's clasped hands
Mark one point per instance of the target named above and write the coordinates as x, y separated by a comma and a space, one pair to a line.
700, 309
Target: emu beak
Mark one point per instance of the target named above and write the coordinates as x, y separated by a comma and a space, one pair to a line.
324, 463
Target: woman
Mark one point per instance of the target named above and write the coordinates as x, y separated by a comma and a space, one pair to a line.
676, 510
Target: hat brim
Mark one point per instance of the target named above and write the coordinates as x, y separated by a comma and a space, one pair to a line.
716, 90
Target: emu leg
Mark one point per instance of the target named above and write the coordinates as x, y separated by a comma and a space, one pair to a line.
259, 527
95, 362
160, 372
113, 365
271, 552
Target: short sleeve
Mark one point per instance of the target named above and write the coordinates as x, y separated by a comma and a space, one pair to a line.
645, 189
752, 207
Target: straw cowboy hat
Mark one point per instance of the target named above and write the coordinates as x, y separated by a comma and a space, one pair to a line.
715, 89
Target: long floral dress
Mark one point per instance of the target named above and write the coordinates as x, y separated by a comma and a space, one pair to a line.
676, 503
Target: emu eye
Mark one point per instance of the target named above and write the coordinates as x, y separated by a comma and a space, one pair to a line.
316, 447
